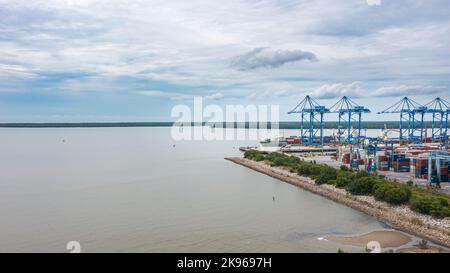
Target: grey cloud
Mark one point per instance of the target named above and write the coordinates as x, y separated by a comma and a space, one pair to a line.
329, 91
15, 70
164, 94
356, 89
179, 96
269, 94
405, 90
265, 57
373, 18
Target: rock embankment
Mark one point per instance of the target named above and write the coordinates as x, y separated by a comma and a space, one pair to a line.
399, 217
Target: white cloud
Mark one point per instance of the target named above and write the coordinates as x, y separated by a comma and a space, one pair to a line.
329, 91
164, 94
155, 93
373, 2
267, 94
215, 96
177, 95
356, 90
371, 96
408, 90
8, 70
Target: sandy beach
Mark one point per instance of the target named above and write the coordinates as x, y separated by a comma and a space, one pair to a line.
386, 238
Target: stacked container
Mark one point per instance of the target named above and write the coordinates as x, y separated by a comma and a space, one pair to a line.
382, 163
421, 170
345, 158
402, 165
444, 171
412, 166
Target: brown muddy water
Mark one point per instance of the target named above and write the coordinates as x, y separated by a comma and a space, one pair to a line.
132, 190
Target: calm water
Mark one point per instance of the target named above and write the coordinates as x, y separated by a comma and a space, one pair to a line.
130, 189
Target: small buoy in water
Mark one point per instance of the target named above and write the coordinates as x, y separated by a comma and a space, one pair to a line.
274, 198
174, 145
63, 140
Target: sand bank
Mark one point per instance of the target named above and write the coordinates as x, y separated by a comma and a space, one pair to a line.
386, 238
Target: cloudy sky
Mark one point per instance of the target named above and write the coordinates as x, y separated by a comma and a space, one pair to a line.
113, 60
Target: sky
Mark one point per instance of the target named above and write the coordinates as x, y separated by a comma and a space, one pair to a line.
116, 60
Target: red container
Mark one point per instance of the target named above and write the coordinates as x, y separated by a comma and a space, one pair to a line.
346, 159
382, 158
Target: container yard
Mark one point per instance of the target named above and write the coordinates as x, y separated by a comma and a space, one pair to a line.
413, 155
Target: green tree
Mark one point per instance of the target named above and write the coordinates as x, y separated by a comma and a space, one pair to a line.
392, 193
361, 186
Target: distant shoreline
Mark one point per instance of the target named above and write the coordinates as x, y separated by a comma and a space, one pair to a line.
282, 125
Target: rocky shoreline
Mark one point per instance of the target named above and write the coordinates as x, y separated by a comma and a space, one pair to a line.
401, 217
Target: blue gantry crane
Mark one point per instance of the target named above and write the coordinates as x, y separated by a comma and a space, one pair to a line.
374, 146
409, 110
350, 114
311, 115
439, 109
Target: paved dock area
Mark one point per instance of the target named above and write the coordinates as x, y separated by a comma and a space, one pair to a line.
393, 176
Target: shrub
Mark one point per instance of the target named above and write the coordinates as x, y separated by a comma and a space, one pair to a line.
423, 244
342, 182
321, 179
443, 201
303, 169
316, 170
278, 161
343, 179
254, 155
259, 157
361, 186
380, 191
326, 176
392, 193
435, 206
361, 174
